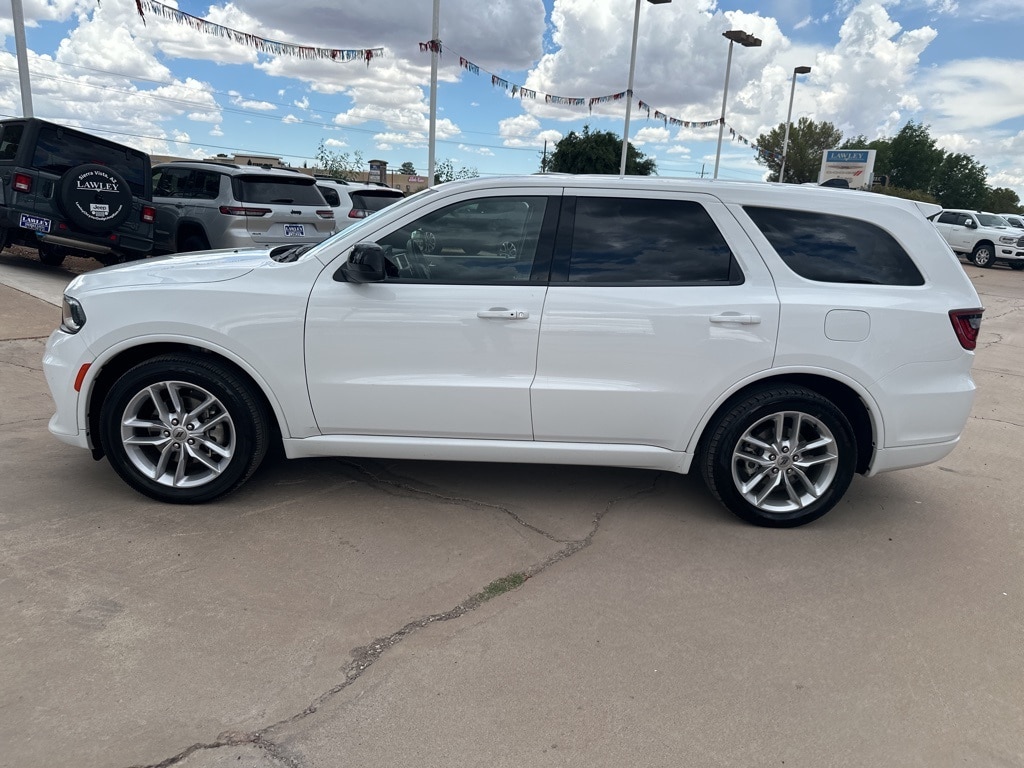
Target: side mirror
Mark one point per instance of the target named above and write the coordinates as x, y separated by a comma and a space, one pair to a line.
365, 265
971, 224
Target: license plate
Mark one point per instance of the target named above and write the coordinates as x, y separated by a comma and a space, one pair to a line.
294, 230
36, 223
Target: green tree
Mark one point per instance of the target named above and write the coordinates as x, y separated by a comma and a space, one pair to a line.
445, 171
808, 141
960, 182
906, 194
339, 165
407, 169
1002, 200
915, 158
597, 152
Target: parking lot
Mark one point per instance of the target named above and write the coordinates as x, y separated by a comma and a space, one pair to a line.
381, 613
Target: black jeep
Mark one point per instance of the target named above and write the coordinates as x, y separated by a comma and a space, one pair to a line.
67, 192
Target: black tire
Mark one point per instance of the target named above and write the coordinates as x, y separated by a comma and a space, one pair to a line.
164, 445
1017, 265
195, 241
984, 255
787, 480
94, 197
51, 255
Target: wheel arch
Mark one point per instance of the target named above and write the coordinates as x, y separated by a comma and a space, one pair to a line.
852, 403
188, 228
122, 360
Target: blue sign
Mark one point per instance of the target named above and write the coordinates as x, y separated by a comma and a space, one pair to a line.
846, 155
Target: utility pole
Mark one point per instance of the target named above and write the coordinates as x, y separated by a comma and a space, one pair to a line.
18, 17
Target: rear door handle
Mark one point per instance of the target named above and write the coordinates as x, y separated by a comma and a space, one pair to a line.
735, 318
500, 313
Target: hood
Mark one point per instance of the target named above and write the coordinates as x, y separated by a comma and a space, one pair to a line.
198, 267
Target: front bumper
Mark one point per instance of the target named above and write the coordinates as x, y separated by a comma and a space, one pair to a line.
64, 357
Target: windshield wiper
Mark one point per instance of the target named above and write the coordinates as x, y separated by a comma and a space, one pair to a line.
288, 253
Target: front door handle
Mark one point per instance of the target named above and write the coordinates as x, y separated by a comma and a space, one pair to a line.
500, 313
735, 318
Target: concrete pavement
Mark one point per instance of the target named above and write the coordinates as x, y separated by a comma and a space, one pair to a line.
324, 615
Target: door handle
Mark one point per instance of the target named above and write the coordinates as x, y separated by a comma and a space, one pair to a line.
500, 313
735, 318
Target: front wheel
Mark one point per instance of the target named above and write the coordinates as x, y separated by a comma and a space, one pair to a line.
183, 430
780, 457
983, 255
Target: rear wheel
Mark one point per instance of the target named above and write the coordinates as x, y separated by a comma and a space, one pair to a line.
983, 255
51, 255
183, 430
780, 457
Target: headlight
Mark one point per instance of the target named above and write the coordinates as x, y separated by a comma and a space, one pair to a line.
72, 315
1007, 240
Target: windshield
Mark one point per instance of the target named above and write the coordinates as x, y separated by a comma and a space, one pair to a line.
372, 221
991, 220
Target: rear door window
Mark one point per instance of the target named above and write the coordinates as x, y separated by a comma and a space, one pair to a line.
835, 249
644, 241
375, 199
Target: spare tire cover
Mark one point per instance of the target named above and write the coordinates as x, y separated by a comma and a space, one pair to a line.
95, 197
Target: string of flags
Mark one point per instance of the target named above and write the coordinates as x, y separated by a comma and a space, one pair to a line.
255, 41
574, 101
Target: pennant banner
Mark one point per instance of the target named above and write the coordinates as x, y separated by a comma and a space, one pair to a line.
259, 43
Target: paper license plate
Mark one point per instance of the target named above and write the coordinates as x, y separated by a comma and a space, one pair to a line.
37, 223
294, 230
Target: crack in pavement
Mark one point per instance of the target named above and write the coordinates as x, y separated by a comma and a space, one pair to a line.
364, 657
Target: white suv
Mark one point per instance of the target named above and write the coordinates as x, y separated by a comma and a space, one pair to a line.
983, 238
352, 202
777, 339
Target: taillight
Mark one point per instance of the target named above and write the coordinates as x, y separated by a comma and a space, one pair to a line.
148, 214
966, 324
237, 210
328, 214
21, 182
358, 213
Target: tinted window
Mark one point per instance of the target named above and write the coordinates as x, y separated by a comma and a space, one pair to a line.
948, 217
491, 240
186, 183
331, 196
10, 138
835, 249
643, 241
58, 151
375, 200
283, 191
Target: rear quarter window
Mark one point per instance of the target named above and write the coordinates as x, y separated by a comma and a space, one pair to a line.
835, 249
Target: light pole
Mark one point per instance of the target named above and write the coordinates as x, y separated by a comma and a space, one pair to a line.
789, 117
747, 40
629, 87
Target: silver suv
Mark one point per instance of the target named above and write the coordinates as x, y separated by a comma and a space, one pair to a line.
202, 205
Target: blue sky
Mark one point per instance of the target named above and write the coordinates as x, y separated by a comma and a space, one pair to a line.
171, 89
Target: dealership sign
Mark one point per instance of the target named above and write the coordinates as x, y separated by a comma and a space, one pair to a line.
855, 166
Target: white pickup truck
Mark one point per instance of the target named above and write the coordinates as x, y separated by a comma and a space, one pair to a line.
984, 238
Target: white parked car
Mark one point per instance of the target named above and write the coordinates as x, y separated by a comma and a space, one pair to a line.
983, 238
1015, 220
777, 339
352, 202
